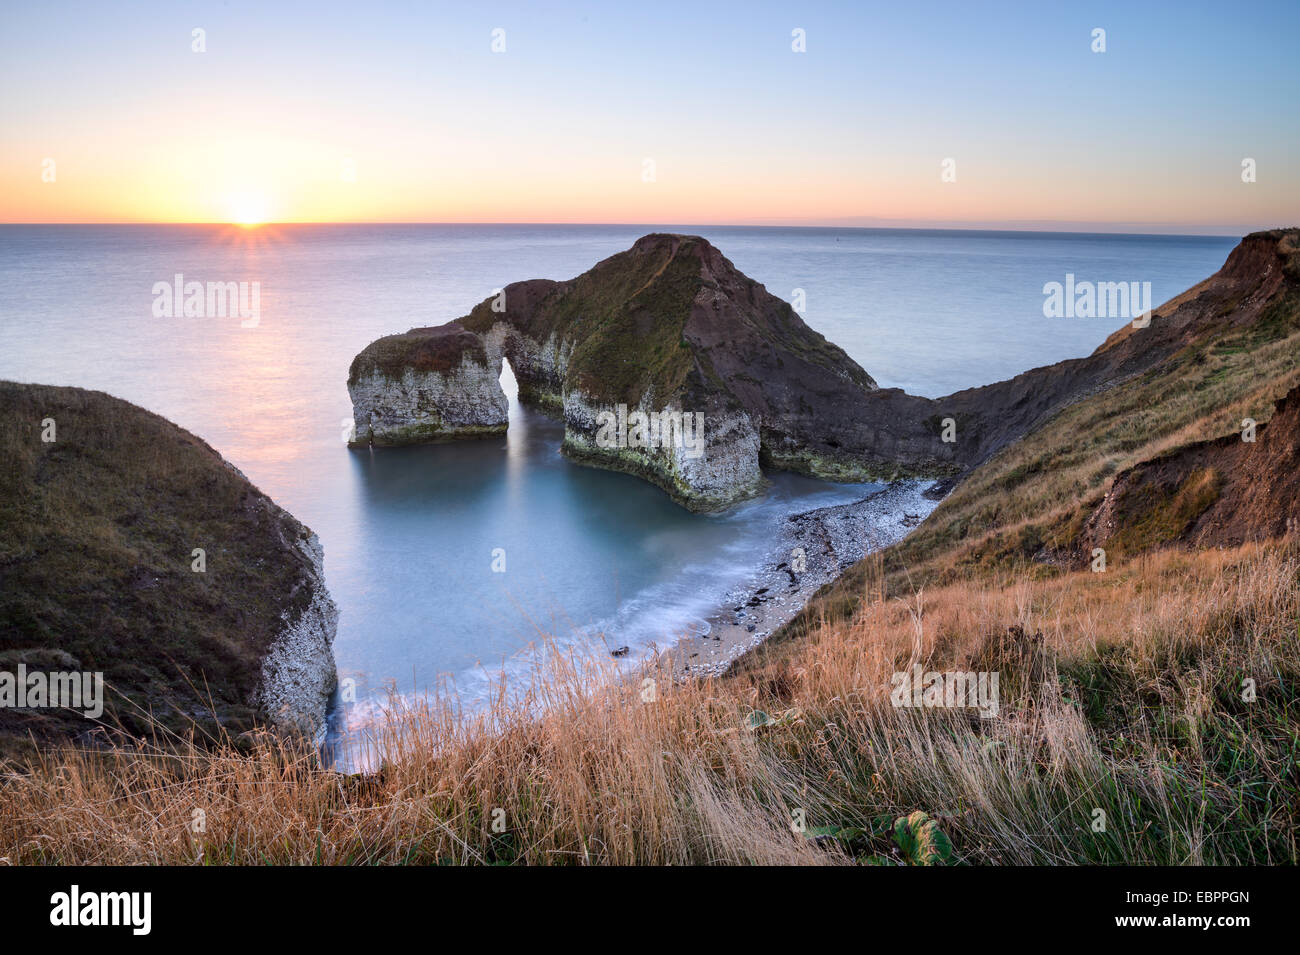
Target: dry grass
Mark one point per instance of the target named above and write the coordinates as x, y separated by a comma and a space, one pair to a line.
1123, 692
1129, 702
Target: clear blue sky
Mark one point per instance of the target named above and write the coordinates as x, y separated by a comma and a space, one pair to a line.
739, 128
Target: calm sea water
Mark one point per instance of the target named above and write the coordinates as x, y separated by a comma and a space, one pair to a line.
410, 534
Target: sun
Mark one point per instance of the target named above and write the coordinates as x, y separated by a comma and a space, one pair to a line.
247, 209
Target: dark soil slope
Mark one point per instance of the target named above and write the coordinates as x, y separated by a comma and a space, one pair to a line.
1212, 493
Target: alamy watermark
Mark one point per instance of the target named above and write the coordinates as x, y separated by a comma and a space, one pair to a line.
133, 910
1071, 299
953, 689
59, 689
654, 429
182, 299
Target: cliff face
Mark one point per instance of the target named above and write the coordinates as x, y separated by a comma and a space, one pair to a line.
128, 547
672, 326
298, 671
1215, 493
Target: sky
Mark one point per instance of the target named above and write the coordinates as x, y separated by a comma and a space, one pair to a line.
935, 114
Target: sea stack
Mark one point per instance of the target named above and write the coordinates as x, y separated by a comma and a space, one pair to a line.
632, 355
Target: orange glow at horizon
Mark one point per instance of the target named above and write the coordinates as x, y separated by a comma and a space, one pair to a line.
583, 197
252, 179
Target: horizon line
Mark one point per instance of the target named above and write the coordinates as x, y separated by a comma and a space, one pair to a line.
1020, 225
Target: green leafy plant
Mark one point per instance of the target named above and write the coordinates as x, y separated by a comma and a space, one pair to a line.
758, 719
917, 840
920, 840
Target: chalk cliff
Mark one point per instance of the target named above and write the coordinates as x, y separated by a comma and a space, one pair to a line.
130, 548
431, 384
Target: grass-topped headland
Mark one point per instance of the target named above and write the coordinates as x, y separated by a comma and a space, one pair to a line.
103, 510
1119, 693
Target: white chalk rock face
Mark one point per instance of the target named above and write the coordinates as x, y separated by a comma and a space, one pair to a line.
419, 407
430, 384
298, 671
539, 367
728, 471
704, 461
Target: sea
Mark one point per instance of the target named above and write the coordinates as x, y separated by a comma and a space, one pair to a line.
452, 564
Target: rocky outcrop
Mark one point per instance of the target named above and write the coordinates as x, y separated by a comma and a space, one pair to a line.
131, 549
723, 469
672, 326
444, 388
669, 332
